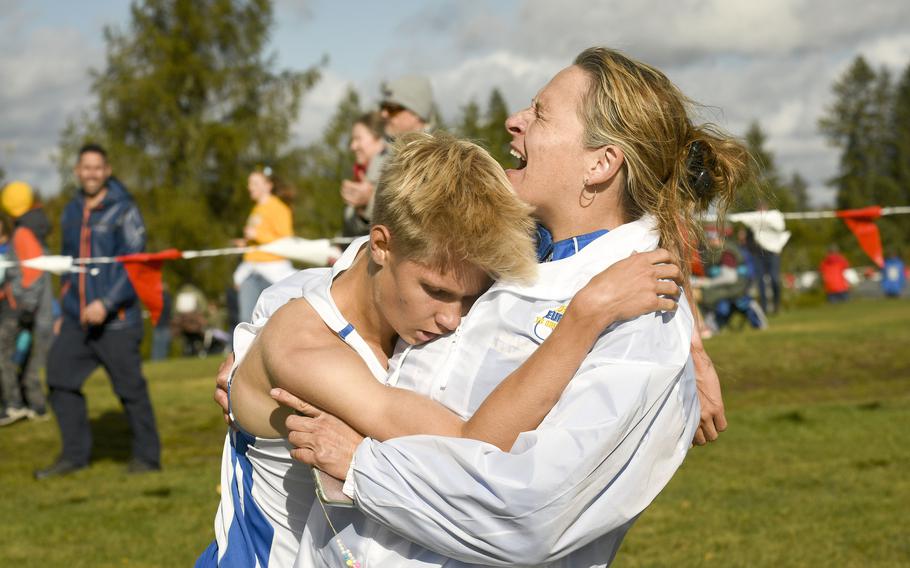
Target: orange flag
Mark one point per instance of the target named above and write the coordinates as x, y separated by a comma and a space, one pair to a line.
862, 223
144, 271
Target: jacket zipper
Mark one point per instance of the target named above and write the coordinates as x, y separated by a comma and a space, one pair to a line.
85, 251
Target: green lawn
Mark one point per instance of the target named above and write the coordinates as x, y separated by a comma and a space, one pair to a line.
810, 472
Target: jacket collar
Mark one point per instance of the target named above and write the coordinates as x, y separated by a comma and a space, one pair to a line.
559, 279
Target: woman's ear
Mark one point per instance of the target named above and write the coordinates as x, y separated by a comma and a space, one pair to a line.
380, 244
604, 163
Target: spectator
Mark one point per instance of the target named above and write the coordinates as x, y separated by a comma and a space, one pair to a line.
269, 220
217, 337
894, 275
4, 240
832, 269
161, 333
368, 146
407, 105
767, 273
744, 247
101, 323
725, 286
26, 320
190, 321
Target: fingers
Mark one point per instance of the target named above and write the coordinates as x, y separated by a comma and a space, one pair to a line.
299, 435
666, 304
668, 272
285, 398
221, 398
699, 439
707, 426
656, 256
304, 455
221, 380
720, 422
667, 288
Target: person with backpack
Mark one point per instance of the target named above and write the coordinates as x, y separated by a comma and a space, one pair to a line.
26, 319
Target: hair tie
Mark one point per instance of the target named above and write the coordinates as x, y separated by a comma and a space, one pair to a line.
700, 179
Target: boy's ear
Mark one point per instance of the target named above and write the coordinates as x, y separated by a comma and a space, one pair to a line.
380, 244
604, 163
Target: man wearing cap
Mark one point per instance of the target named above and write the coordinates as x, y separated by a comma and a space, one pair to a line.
25, 309
406, 106
102, 322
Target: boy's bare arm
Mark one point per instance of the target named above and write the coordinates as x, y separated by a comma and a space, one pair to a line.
332, 376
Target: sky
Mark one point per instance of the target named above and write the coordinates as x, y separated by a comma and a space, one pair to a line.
773, 62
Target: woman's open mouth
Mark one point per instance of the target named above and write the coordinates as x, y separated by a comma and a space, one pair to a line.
521, 160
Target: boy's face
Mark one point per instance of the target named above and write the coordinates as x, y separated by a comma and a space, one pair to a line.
422, 303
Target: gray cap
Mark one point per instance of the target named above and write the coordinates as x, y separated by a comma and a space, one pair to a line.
413, 92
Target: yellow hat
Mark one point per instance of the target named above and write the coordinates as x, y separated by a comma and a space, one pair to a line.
17, 198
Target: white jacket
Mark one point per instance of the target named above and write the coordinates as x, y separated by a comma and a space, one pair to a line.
567, 492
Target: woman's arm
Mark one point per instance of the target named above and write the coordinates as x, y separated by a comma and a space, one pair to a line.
629, 288
637, 285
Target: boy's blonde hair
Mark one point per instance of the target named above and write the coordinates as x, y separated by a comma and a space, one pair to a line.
446, 201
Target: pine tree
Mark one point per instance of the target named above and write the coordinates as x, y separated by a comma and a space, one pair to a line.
865, 123
469, 125
488, 130
766, 189
901, 136
799, 189
324, 164
187, 104
849, 125
496, 134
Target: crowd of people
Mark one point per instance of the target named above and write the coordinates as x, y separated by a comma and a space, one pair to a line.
737, 276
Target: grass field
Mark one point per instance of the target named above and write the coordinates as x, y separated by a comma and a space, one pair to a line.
813, 471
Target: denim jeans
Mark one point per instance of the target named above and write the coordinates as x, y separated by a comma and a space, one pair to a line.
250, 290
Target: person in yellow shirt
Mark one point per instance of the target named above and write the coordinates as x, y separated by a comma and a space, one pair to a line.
269, 220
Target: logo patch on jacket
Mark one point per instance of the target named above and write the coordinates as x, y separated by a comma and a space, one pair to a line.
546, 322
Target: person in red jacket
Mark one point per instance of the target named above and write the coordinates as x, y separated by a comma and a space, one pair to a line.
832, 268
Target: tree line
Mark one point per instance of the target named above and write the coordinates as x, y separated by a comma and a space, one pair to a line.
189, 101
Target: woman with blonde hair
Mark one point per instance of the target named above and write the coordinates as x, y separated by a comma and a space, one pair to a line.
613, 164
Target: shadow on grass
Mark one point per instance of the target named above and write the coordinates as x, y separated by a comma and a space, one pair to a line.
112, 437
795, 417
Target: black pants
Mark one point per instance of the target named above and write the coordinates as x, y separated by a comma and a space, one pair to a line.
77, 352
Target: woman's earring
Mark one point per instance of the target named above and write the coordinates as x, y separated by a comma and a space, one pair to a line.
586, 198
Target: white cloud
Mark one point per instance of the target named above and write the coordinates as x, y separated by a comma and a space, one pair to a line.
293, 11
771, 61
318, 106
45, 81
518, 78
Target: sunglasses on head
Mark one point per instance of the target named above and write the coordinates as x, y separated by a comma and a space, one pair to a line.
391, 108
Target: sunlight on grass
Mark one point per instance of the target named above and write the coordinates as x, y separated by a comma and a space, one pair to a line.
812, 472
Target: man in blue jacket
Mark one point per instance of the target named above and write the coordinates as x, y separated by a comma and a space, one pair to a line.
101, 323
